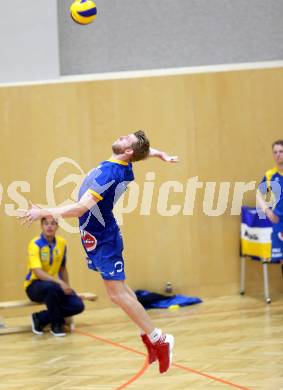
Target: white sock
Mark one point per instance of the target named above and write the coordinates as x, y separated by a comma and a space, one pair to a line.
155, 335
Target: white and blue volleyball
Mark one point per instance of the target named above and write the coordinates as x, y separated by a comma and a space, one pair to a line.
83, 11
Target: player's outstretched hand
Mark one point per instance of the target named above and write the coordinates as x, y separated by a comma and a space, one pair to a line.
172, 159
27, 217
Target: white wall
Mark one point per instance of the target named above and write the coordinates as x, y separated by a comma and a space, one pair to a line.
28, 40
153, 34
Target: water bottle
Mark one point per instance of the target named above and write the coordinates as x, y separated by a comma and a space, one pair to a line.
168, 288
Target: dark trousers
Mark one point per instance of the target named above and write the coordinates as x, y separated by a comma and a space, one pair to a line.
59, 305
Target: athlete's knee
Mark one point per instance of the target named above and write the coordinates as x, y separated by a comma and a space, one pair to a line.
54, 289
116, 297
78, 306
117, 292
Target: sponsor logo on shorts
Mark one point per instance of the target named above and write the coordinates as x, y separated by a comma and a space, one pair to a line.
89, 241
118, 268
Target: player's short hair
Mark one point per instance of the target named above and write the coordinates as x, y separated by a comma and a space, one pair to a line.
140, 147
43, 219
278, 142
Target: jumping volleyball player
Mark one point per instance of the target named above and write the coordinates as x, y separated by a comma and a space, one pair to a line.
101, 237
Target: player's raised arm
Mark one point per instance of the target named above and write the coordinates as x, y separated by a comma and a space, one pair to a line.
77, 209
163, 156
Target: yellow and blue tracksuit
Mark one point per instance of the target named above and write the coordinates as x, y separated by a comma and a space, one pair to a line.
272, 182
50, 257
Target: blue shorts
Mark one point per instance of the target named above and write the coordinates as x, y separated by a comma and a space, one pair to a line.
104, 253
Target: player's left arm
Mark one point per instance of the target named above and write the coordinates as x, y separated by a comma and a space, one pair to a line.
77, 209
162, 155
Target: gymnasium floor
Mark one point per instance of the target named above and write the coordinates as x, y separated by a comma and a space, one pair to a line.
224, 343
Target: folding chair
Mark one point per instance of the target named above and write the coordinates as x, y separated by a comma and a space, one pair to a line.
256, 244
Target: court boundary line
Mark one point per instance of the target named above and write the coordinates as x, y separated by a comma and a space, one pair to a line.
134, 377
162, 72
146, 365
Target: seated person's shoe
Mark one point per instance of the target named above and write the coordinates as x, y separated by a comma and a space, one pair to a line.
57, 330
36, 327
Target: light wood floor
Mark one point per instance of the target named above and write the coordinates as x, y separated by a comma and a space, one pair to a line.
229, 342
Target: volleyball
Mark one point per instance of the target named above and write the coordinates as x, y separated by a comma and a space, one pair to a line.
83, 11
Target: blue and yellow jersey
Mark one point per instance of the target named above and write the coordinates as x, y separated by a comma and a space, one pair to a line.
49, 257
273, 182
107, 182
